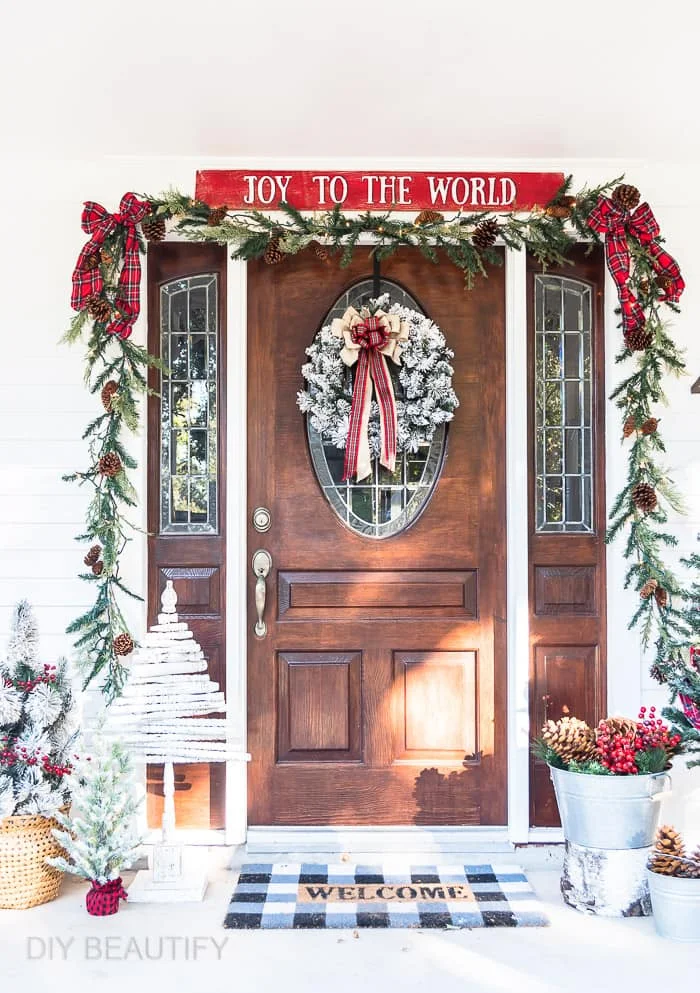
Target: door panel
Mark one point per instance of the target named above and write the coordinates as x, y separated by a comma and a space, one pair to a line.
378, 695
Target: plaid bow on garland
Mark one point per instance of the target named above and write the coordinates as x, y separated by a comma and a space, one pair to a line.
617, 224
87, 277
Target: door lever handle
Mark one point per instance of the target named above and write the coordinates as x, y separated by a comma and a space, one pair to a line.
262, 563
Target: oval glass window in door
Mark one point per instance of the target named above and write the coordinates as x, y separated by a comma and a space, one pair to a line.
385, 503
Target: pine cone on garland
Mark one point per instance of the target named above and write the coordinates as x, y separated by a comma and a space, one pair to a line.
97, 568
661, 596
93, 555
657, 675
123, 644
320, 251
625, 196
110, 464
108, 391
90, 262
649, 426
644, 497
664, 283
629, 427
273, 254
485, 234
429, 217
638, 339
153, 229
648, 589
217, 215
558, 210
572, 740
99, 309
106, 258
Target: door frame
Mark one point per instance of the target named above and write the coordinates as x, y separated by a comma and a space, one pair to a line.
517, 830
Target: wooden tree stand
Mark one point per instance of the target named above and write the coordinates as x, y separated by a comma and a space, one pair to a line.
606, 882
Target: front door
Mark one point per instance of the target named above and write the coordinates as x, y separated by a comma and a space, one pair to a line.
378, 693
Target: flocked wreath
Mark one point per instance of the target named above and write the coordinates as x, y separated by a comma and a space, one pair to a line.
425, 398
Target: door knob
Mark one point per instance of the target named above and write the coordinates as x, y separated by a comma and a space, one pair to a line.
262, 563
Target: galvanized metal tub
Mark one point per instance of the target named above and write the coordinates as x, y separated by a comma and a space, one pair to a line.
609, 811
676, 906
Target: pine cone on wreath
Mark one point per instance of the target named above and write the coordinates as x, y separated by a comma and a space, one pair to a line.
93, 555
273, 254
661, 596
153, 229
625, 196
572, 740
648, 589
649, 426
108, 391
123, 644
99, 309
320, 251
644, 497
429, 217
217, 215
98, 568
629, 427
638, 339
110, 464
485, 234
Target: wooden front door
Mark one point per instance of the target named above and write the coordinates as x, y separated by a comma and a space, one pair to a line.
378, 694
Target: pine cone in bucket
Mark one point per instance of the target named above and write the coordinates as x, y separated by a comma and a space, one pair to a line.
668, 852
572, 740
619, 725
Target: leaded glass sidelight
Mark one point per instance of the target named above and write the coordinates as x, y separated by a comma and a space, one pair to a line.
385, 503
189, 347
563, 405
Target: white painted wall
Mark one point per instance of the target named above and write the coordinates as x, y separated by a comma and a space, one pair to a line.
44, 406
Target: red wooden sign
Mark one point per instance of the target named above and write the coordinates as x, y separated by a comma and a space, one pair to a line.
250, 189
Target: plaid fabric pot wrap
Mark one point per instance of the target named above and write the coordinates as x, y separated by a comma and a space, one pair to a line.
368, 341
103, 899
87, 278
617, 224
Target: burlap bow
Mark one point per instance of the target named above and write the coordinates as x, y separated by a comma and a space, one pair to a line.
87, 278
369, 340
617, 224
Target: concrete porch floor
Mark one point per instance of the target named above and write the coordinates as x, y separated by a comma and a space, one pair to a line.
59, 947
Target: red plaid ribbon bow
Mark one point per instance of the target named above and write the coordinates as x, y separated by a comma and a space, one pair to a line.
87, 278
616, 224
371, 335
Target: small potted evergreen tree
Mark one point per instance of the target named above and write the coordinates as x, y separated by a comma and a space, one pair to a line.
99, 836
674, 886
36, 742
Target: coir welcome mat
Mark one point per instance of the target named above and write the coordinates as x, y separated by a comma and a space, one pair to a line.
306, 895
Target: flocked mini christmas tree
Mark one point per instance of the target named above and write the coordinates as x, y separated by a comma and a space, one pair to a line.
99, 836
36, 724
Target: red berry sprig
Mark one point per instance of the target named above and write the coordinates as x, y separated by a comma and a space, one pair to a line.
616, 751
652, 732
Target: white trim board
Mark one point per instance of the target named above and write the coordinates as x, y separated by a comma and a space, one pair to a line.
516, 558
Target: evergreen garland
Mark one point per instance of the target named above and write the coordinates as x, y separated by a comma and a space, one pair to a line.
668, 617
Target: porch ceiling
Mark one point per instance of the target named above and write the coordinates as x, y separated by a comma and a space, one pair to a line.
368, 78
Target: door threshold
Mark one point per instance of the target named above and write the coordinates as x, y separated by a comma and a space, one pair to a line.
340, 840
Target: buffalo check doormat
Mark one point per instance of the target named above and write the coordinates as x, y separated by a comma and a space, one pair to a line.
306, 895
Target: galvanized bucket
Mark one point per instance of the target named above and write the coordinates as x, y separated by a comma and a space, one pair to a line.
676, 906
609, 811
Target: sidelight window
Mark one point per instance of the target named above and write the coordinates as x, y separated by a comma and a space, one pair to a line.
188, 405
563, 405
386, 503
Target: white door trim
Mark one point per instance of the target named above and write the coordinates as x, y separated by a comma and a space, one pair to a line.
516, 556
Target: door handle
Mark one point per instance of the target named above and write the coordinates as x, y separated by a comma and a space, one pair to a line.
262, 563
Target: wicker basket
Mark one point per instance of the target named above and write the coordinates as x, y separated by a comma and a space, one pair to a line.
25, 878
